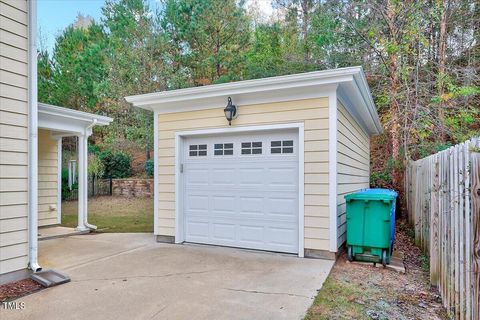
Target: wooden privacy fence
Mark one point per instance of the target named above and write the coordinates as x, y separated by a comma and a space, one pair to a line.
443, 202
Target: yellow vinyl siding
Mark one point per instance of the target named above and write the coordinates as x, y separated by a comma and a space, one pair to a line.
13, 136
353, 163
47, 179
312, 112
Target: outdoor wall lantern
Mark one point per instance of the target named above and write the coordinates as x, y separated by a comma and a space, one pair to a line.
230, 111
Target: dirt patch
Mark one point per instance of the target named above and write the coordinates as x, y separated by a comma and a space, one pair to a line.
361, 291
18, 289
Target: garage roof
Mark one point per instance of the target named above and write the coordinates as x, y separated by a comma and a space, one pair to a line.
350, 85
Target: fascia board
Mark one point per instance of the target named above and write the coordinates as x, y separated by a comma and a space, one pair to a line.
61, 112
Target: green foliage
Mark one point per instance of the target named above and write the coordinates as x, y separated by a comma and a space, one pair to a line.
264, 58
77, 67
149, 167
134, 49
96, 166
93, 148
383, 177
425, 262
117, 165
209, 37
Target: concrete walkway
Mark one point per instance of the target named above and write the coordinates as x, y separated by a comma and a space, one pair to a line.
129, 276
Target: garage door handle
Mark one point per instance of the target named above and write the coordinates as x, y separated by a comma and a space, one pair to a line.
181, 167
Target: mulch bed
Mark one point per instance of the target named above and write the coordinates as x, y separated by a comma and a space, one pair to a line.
14, 290
361, 291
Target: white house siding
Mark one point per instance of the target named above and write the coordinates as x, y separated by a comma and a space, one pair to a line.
353, 167
312, 112
47, 179
13, 135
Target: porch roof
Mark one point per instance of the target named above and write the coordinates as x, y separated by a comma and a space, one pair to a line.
68, 121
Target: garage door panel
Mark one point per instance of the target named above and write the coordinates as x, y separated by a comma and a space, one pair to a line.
282, 177
223, 204
198, 229
197, 203
282, 236
252, 205
224, 231
251, 177
284, 207
198, 177
239, 200
223, 176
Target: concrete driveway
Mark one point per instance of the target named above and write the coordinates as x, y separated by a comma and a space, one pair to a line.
129, 276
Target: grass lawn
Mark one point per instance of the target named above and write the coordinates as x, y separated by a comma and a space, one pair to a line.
113, 214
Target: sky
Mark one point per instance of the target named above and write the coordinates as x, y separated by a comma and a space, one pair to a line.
53, 16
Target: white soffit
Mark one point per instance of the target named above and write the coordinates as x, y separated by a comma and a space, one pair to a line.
350, 83
68, 120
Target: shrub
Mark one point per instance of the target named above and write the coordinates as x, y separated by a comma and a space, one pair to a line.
117, 165
95, 166
93, 148
149, 167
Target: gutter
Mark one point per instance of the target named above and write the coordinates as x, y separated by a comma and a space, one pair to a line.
85, 216
32, 139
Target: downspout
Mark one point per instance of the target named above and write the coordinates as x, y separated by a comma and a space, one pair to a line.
87, 130
32, 139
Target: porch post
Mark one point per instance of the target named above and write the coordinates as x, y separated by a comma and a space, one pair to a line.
59, 180
82, 181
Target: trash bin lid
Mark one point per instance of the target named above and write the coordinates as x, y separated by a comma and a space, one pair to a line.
372, 194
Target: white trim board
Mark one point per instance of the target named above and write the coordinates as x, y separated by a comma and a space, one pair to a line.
59, 180
179, 185
332, 170
155, 173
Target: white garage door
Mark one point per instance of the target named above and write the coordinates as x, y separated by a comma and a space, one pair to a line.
242, 190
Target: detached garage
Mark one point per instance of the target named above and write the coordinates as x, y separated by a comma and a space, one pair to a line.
262, 164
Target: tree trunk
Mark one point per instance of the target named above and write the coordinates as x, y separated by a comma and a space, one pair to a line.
442, 44
394, 107
306, 21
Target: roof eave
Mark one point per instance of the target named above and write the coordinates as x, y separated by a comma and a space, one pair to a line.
73, 114
351, 83
147, 101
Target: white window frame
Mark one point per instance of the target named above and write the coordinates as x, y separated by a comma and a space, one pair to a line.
179, 177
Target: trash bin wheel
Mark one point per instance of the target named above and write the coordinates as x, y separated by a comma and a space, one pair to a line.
384, 258
350, 253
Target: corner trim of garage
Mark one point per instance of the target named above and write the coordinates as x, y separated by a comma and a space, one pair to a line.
332, 168
179, 223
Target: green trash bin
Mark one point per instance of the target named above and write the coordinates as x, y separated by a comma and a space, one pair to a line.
371, 225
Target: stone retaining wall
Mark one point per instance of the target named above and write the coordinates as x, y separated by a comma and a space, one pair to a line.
133, 188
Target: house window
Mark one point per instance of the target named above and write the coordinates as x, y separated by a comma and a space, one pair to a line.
251, 148
223, 149
197, 150
281, 146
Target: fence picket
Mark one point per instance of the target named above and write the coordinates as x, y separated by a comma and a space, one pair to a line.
475, 192
443, 203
